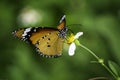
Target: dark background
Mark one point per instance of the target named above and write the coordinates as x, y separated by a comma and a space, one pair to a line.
100, 21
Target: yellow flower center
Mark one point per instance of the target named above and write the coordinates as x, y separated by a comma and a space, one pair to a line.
70, 39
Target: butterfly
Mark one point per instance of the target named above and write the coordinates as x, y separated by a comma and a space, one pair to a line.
47, 41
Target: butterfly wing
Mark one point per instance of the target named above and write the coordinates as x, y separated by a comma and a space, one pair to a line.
62, 23
47, 42
23, 33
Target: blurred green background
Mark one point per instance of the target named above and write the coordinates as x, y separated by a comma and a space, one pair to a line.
100, 21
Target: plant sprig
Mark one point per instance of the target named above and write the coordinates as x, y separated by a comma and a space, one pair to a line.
112, 70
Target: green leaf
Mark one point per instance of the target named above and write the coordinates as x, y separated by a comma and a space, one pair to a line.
114, 67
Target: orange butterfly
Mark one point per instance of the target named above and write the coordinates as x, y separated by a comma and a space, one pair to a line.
48, 41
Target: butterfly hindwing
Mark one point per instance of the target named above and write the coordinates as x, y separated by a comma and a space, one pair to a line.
47, 42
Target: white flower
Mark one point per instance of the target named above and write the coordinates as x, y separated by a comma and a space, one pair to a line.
72, 48
71, 40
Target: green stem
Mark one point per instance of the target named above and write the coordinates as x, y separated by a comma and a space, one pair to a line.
109, 70
101, 61
90, 51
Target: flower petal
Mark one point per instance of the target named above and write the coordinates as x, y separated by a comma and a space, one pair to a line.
78, 35
71, 50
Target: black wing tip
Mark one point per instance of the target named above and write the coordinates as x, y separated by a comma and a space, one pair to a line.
63, 18
20, 38
14, 32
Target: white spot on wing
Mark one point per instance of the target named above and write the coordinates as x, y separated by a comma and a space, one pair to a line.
26, 31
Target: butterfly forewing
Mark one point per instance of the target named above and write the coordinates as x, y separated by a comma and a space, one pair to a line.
62, 23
